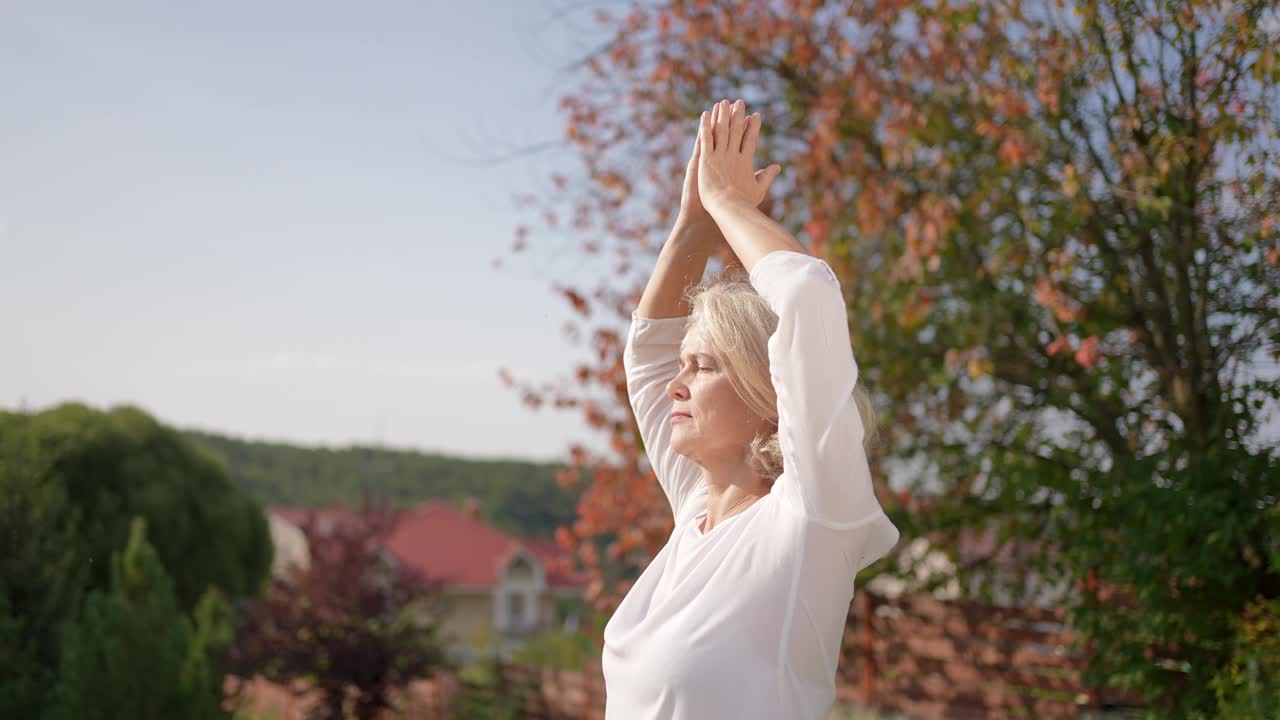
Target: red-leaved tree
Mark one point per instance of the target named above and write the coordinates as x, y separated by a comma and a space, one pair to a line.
353, 622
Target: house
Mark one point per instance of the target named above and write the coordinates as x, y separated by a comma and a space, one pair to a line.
498, 590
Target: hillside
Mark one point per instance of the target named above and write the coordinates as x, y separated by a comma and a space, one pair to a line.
521, 498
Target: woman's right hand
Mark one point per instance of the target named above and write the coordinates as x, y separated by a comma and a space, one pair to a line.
691, 207
725, 172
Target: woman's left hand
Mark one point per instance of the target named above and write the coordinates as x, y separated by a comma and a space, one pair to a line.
727, 138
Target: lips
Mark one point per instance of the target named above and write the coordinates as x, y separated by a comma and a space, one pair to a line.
678, 415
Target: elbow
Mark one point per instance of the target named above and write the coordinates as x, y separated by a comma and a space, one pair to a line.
812, 292
813, 281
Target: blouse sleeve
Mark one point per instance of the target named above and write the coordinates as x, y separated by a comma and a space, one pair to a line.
651, 358
825, 472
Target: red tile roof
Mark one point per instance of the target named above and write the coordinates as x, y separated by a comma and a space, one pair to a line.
450, 545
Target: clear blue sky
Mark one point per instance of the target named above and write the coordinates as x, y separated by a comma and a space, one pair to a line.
272, 219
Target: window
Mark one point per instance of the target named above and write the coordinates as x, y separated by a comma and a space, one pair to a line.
519, 569
515, 610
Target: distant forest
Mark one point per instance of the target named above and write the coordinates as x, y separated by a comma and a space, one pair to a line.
521, 498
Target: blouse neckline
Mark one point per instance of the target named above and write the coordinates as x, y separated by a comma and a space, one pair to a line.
702, 514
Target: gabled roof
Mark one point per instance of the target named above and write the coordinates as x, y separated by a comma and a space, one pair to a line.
450, 545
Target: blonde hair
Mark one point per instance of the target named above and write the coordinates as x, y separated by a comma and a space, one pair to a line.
737, 323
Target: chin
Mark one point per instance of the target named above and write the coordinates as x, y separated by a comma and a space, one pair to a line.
680, 444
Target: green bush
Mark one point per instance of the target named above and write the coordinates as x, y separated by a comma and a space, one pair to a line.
559, 650
481, 696
1249, 687
133, 653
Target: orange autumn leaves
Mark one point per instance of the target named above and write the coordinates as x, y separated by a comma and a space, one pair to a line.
1066, 310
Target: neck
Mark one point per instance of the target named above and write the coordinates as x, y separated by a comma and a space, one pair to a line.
731, 488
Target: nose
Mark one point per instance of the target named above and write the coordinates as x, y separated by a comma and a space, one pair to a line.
677, 390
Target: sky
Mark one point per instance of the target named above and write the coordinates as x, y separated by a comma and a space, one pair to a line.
278, 220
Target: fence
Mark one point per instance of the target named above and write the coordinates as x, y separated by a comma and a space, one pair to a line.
927, 658
547, 694
258, 699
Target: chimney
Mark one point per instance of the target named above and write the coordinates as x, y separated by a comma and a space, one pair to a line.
471, 507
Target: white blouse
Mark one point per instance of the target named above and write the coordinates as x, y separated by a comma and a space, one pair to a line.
746, 620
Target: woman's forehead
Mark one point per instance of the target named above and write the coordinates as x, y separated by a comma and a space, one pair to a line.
695, 344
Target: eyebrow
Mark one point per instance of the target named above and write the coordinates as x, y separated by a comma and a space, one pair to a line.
685, 356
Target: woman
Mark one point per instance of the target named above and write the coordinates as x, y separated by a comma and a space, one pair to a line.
745, 397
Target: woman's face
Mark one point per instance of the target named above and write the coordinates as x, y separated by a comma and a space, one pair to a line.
716, 425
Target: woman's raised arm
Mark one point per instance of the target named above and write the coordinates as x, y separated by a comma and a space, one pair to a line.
680, 266
826, 474
651, 356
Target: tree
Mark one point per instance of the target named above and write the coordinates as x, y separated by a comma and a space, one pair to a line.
71, 481
41, 584
110, 466
354, 623
1056, 227
133, 652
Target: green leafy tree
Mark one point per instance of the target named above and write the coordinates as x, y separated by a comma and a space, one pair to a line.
134, 653
71, 481
41, 583
120, 463
110, 466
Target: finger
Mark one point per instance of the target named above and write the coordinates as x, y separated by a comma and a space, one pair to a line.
752, 137
704, 132
765, 177
737, 124
722, 126
697, 143
715, 122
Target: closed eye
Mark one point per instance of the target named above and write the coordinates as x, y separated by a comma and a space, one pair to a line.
699, 368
